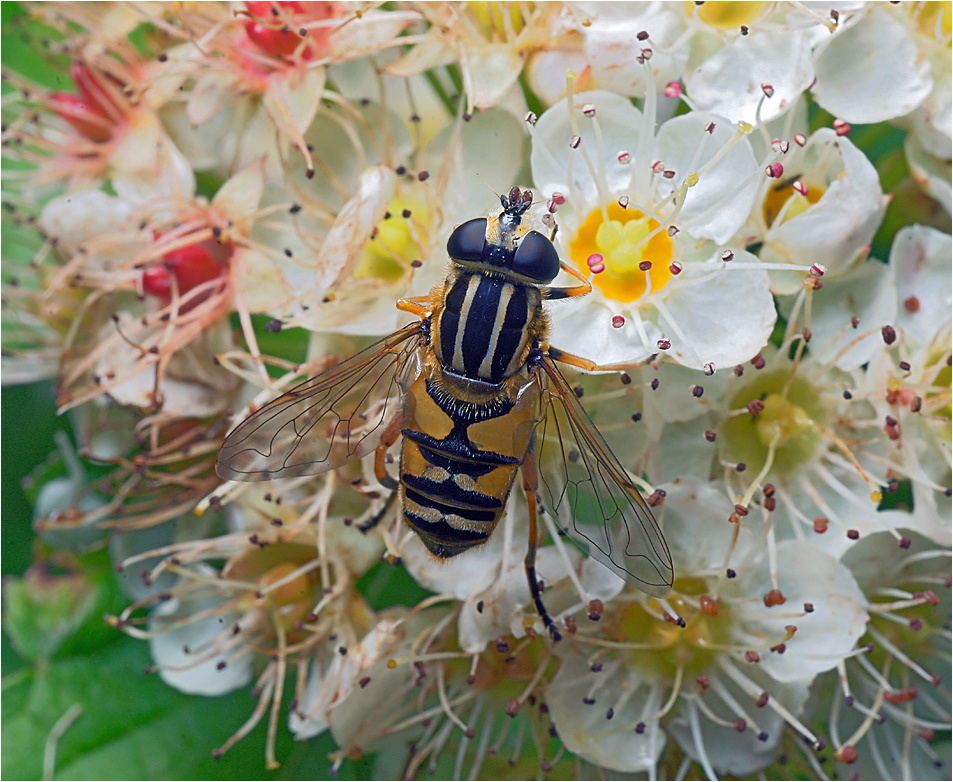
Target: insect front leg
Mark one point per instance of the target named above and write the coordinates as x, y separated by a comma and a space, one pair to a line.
568, 293
587, 365
380, 471
530, 483
415, 305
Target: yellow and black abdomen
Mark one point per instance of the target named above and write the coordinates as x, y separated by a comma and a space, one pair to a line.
485, 325
458, 463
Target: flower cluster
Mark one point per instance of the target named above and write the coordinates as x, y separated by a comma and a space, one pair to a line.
227, 198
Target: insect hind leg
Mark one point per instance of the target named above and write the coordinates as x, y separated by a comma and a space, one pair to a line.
376, 519
380, 471
529, 488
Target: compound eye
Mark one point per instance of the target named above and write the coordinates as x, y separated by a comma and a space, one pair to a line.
536, 258
467, 240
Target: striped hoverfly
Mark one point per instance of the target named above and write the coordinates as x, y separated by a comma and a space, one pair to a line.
473, 389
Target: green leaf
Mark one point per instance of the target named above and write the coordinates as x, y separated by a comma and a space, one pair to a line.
22, 40
58, 605
130, 725
290, 344
385, 585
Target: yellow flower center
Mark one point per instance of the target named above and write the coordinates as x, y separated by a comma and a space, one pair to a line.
727, 15
708, 623
788, 420
397, 241
784, 201
298, 588
633, 249
781, 421
494, 18
927, 14
294, 596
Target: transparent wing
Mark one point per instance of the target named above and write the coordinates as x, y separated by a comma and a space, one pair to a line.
328, 420
583, 485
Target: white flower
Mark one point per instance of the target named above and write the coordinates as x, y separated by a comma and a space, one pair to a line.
891, 698
645, 205
748, 637
188, 261
911, 292
610, 45
490, 43
796, 428
827, 215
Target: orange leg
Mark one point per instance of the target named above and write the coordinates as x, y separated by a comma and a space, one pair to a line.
530, 482
394, 428
415, 305
380, 471
568, 293
586, 365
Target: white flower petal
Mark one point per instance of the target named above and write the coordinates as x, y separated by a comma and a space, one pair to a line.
349, 145
716, 208
356, 718
498, 610
192, 384
872, 71
557, 168
806, 574
491, 147
730, 82
681, 450
836, 231
328, 683
695, 519
672, 399
367, 33
727, 750
191, 657
840, 495
432, 52
930, 173
128, 543
725, 320
920, 257
147, 164
598, 581
546, 72
237, 199
584, 327
611, 47
868, 293
78, 217
258, 281
584, 727
209, 96
292, 96
933, 120
489, 71
341, 251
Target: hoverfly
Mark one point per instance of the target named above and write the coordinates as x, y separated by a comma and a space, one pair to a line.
474, 390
